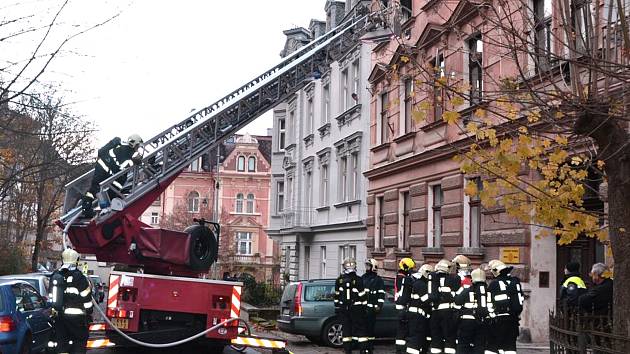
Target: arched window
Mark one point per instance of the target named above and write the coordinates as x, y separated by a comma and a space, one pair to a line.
239, 203
193, 202
251, 164
250, 203
240, 167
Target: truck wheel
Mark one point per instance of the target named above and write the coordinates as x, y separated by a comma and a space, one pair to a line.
203, 247
332, 333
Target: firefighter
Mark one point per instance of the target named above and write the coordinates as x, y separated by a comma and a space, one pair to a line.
375, 290
112, 158
402, 295
350, 304
442, 290
471, 333
505, 306
419, 312
463, 268
72, 305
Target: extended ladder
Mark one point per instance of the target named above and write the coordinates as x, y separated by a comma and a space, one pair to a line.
171, 151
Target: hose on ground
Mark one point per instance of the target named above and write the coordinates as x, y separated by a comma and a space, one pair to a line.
172, 344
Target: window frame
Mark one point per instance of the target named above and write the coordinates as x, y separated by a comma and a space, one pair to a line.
246, 241
282, 133
356, 77
250, 204
324, 179
438, 90
326, 112
380, 201
240, 164
345, 88
542, 30
408, 102
343, 178
475, 68
384, 117
249, 164
322, 262
436, 208
238, 205
193, 201
155, 218
279, 197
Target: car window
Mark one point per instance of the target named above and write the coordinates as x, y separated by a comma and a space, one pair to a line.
46, 284
389, 291
22, 301
33, 296
319, 293
289, 293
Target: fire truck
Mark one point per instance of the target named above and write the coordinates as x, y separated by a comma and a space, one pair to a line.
159, 291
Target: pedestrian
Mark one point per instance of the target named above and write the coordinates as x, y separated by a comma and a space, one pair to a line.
572, 287
505, 305
419, 312
350, 304
402, 295
471, 333
442, 288
463, 267
72, 306
112, 158
375, 291
598, 298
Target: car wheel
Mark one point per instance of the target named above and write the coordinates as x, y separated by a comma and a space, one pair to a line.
203, 247
332, 334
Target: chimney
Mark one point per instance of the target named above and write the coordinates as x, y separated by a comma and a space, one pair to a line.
335, 11
296, 38
317, 28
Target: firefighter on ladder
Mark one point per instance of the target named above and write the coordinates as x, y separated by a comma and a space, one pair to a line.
419, 312
443, 286
350, 304
72, 305
112, 158
375, 290
505, 309
402, 294
471, 334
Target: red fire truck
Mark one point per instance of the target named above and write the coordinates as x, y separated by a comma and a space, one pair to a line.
159, 293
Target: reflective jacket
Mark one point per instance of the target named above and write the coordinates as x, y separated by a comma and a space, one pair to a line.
71, 292
375, 290
572, 288
442, 288
473, 301
349, 292
420, 302
506, 296
402, 290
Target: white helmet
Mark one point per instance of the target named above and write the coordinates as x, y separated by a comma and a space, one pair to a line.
478, 275
349, 264
372, 263
462, 263
425, 270
134, 141
496, 266
443, 266
70, 256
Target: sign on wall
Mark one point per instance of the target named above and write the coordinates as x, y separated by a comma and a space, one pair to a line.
510, 255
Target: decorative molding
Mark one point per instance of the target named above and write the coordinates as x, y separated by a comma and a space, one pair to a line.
308, 163
308, 140
349, 115
324, 156
324, 130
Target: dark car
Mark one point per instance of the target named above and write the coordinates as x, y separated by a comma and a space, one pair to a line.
24, 318
307, 308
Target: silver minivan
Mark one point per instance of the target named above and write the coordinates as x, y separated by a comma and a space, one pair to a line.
40, 281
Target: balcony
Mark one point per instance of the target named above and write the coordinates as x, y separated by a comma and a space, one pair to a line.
300, 218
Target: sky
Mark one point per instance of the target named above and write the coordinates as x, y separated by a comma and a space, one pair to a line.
149, 67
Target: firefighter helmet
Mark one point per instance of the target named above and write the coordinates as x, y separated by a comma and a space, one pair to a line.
406, 264
496, 266
478, 276
134, 141
443, 266
372, 264
462, 263
425, 270
70, 256
349, 264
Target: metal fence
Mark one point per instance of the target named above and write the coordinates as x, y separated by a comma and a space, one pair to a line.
572, 332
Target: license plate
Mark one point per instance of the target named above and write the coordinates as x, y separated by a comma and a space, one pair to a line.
285, 311
121, 323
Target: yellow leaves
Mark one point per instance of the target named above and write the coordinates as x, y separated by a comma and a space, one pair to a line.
561, 140
480, 113
457, 101
533, 116
559, 115
471, 189
522, 130
450, 117
491, 134
424, 105
404, 59
576, 161
505, 145
472, 128
558, 156
419, 116
442, 81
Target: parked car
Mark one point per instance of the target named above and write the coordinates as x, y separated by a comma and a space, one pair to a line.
307, 308
40, 281
24, 318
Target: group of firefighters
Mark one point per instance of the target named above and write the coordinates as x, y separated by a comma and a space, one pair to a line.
446, 308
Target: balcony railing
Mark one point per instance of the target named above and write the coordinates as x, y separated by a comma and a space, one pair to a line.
302, 217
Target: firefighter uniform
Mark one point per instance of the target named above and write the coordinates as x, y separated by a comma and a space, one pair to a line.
350, 303
505, 306
473, 314
112, 158
375, 290
72, 303
419, 312
402, 294
442, 288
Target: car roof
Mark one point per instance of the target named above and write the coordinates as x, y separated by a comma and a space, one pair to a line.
25, 276
7, 281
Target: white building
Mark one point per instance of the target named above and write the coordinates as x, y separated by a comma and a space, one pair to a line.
320, 149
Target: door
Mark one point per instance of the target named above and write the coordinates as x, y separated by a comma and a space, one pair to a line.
584, 250
36, 314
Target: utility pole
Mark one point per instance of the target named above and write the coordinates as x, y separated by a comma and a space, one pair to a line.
215, 214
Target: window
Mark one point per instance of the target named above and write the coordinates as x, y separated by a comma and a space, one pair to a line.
323, 196
380, 204
250, 203
408, 124
438, 90
280, 197
310, 122
438, 198
354, 177
475, 215
355, 82
405, 220
307, 262
343, 178
240, 167
542, 36
319, 293
475, 65
281, 133
322, 264
194, 166
384, 118
289, 201
326, 115
291, 126
244, 243
239, 203
193, 202
345, 89
154, 218
406, 10
580, 18
309, 191
251, 164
